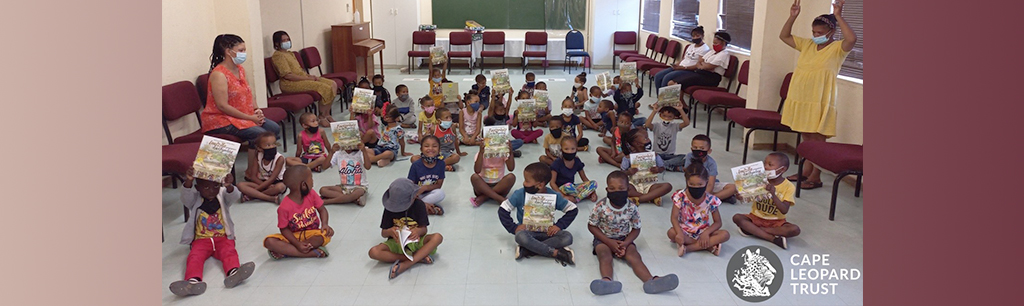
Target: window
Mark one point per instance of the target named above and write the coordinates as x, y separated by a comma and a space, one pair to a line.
651, 15
853, 13
684, 17
737, 18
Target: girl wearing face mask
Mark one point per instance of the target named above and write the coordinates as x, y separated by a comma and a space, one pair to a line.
688, 63
580, 81
405, 103
572, 126
233, 111
563, 175
316, 149
693, 210
636, 141
469, 122
591, 117
295, 79
445, 131
427, 171
811, 104
709, 68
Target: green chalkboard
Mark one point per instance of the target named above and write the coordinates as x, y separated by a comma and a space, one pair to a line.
509, 14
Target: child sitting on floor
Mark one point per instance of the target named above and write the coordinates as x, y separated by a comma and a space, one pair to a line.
615, 223
700, 151
482, 90
555, 241
315, 152
403, 210
404, 103
489, 178
302, 219
383, 96
693, 211
427, 119
666, 129
391, 141
266, 171
564, 170
614, 154
427, 171
524, 130
606, 108
469, 121
546, 110
553, 142
636, 141
530, 84
571, 125
448, 141
767, 218
626, 100
368, 122
352, 189
591, 116
209, 231
500, 117
580, 81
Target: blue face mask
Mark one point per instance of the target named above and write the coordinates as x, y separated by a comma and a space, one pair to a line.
446, 124
530, 84
474, 106
239, 58
286, 45
615, 86
436, 80
820, 39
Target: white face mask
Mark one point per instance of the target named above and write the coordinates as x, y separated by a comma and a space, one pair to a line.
772, 174
577, 85
566, 111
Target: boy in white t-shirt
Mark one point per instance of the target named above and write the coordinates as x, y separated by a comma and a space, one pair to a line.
352, 166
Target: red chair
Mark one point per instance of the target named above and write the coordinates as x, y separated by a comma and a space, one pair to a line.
723, 99
841, 159
730, 74
461, 39
493, 38
291, 102
535, 39
180, 99
275, 114
652, 41
756, 119
654, 71
659, 50
421, 38
177, 159
671, 53
345, 79
623, 38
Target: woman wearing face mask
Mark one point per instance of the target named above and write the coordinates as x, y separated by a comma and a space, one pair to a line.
688, 63
233, 110
295, 79
811, 104
709, 68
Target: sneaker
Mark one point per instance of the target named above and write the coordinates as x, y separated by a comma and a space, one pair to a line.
187, 288
522, 252
781, 242
242, 273
517, 153
566, 256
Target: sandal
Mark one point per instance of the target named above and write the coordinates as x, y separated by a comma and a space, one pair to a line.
449, 168
276, 255
793, 178
394, 270
427, 260
810, 185
321, 252
438, 210
473, 201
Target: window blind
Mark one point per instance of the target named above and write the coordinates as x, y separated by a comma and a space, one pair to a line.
651, 15
737, 18
684, 17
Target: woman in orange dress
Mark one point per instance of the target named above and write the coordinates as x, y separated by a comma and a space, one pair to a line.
233, 110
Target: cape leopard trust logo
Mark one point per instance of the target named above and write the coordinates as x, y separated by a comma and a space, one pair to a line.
754, 274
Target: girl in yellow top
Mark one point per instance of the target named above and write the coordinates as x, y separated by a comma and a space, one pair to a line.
811, 105
295, 79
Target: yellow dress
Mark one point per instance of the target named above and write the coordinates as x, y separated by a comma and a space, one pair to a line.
285, 63
811, 104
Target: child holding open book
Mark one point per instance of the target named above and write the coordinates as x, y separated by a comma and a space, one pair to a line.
767, 217
403, 211
643, 186
564, 170
489, 178
524, 129
543, 236
391, 141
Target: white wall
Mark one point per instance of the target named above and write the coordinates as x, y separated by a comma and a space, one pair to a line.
308, 22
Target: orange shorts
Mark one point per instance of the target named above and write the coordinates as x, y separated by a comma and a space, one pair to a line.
761, 222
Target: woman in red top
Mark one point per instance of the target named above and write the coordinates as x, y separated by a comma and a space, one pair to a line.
233, 110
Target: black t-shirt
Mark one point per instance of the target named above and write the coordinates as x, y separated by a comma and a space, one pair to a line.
569, 127
416, 215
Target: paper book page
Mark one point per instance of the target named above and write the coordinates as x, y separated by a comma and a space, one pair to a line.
643, 162
500, 81
539, 212
403, 235
437, 55
543, 98
627, 72
496, 140
751, 181
346, 134
363, 100
527, 110
450, 92
604, 81
215, 158
670, 95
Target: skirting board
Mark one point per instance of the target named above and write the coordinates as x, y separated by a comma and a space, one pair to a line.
786, 148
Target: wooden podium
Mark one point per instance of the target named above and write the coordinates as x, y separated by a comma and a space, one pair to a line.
353, 49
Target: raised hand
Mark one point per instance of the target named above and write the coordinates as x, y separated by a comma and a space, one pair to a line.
837, 7
795, 9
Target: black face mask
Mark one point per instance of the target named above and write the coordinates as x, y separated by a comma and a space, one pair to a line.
304, 190
312, 129
696, 192
647, 146
618, 198
697, 40
210, 206
269, 154
569, 156
531, 189
699, 153
556, 133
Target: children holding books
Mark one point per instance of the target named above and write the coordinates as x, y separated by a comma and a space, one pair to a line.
427, 171
483, 91
437, 76
449, 142
489, 178
571, 125
469, 121
209, 231
636, 141
524, 130
626, 100
614, 154
666, 129
692, 212
383, 96
427, 118
352, 165
545, 111
391, 141
553, 142
368, 122
404, 103
266, 171
555, 240
615, 223
404, 211
315, 152
530, 83
767, 218
302, 219
564, 170
700, 151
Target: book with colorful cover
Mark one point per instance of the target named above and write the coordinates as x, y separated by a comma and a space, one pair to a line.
539, 212
542, 98
450, 91
215, 158
363, 100
751, 181
627, 72
670, 95
496, 138
604, 81
643, 162
346, 134
527, 110
437, 55
500, 81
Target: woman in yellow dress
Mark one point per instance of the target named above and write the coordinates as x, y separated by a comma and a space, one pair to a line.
811, 105
295, 79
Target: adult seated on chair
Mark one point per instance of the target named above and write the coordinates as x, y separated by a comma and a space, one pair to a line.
233, 110
295, 79
709, 68
688, 63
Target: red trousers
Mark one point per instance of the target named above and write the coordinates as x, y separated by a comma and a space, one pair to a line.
527, 136
221, 248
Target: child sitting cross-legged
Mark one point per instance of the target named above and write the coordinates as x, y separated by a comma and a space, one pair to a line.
302, 219
350, 164
427, 171
553, 142
767, 217
265, 172
615, 223
553, 242
448, 141
402, 209
489, 178
693, 211
563, 175
614, 154
636, 141
391, 141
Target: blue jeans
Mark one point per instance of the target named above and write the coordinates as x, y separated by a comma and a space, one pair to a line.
516, 144
249, 134
533, 241
673, 162
661, 79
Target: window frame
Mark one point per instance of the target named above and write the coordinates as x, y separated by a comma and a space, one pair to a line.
674, 23
721, 21
657, 24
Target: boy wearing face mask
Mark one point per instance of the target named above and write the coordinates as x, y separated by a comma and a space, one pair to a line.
700, 151
449, 142
437, 76
302, 219
404, 103
626, 100
666, 129
572, 126
616, 81
564, 170
383, 96
265, 172
767, 218
553, 142
551, 243
530, 83
692, 213
545, 113
315, 152
483, 91
615, 224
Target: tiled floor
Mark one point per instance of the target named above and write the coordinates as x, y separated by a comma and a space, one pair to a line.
475, 266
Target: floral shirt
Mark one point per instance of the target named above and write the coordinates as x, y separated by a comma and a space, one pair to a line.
615, 222
694, 218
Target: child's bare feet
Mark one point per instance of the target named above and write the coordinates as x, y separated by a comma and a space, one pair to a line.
362, 200
383, 162
592, 197
715, 249
427, 260
682, 250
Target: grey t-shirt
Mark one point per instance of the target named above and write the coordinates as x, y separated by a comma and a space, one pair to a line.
709, 165
664, 136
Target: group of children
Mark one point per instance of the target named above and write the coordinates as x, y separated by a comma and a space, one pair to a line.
614, 221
